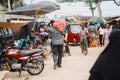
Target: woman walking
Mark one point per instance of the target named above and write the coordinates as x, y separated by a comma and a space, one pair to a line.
56, 44
106, 34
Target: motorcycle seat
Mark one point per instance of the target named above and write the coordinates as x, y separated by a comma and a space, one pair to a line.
30, 52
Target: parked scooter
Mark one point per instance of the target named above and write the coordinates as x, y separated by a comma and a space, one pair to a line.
15, 60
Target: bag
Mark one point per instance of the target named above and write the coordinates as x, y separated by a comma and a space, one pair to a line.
59, 24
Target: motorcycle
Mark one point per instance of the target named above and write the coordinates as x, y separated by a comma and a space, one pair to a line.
16, 60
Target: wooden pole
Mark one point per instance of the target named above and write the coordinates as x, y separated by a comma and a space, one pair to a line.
36, 14
99, 9
9, 6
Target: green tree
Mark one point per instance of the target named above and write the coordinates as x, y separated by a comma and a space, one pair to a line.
3, 4
92, 5
13, 4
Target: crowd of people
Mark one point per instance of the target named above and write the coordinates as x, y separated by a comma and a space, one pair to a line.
91, 36
94, 35
106, 66
55, 39
51, 38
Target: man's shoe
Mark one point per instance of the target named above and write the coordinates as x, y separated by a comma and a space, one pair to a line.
69, 54
55, 65
59, 66
86, 53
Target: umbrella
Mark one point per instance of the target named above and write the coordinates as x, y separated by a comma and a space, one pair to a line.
97, 20
39, 8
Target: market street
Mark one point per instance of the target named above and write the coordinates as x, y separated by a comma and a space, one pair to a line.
75, 67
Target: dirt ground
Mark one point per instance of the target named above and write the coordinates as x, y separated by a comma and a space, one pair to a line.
74, 67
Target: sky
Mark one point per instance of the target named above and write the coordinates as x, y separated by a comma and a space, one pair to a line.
109, 8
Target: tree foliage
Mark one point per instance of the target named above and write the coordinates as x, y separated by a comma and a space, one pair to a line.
14, 4
92, 4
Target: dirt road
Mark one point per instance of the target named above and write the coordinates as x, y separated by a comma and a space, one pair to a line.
75, 67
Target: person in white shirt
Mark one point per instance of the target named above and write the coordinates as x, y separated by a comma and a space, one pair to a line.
101, 33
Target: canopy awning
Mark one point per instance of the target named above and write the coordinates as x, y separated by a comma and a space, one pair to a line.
40, 8
117, 19
12, 24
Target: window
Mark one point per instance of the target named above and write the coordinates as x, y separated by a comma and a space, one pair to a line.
75, 28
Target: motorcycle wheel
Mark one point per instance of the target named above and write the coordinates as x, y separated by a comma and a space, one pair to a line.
36, 68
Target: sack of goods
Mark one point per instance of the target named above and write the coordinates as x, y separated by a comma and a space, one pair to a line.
59, 24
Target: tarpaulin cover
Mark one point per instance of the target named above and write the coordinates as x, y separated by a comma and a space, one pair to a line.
41, 7
20, 30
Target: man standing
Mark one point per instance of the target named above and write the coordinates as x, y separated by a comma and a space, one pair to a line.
83, 35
